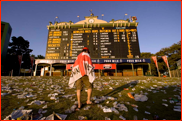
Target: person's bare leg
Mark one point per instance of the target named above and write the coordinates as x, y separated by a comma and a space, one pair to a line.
78, 98
89, 92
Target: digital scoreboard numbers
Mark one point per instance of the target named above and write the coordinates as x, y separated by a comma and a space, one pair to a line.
103, 42
76, 43
53, 44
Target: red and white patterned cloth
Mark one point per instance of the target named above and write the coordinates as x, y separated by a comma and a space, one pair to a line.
82, 66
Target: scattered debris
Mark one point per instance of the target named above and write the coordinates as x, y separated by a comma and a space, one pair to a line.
31, 90
141, 98
106, 118
82, 117
165, 104
130, 95
147, 112
121, 117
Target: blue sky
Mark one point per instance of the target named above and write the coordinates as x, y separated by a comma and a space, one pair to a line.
159, 21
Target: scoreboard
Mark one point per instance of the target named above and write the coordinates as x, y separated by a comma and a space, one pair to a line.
103, 42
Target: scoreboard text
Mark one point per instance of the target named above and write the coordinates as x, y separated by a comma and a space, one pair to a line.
103, 42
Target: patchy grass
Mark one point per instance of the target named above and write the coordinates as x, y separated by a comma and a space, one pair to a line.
153, 105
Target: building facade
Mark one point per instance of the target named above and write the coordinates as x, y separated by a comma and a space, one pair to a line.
114, 46
5, 37
114, 39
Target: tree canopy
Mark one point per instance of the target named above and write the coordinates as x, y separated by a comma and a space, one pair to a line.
19, 46
173, 53
38, 56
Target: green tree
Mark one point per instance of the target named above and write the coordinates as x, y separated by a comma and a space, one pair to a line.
173, 53
32, 55
38, 56
19, 46
146, 55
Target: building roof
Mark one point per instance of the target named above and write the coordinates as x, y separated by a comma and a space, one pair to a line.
93, 21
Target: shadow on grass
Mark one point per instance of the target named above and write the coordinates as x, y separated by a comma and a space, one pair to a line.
121, 88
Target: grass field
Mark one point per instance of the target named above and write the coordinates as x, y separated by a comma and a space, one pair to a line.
155, 88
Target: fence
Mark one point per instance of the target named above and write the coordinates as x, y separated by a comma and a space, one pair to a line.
176, 73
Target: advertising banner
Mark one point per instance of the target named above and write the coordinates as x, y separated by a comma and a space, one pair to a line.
165, 60
155, 61
19, 59
71, 61
32, 60
96, 66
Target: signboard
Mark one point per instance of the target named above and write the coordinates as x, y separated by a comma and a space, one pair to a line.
25, 70
103, 42
96, 66
108, 66
71, 61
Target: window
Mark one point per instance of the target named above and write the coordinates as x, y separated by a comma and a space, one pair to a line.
65, 33
64, 39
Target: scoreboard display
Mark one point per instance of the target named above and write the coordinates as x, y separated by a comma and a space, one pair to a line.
103, 42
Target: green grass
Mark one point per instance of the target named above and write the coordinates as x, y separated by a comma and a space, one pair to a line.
153, 105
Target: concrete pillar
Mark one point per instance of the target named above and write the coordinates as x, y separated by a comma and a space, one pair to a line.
43, 70
50, 69
35, 69
149, 68
132, 68
142, 70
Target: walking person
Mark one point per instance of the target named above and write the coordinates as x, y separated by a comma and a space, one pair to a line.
82, 73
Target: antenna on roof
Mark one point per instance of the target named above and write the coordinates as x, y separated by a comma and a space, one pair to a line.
102, 16
56, 18
91, 13
125, 15
78, 17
